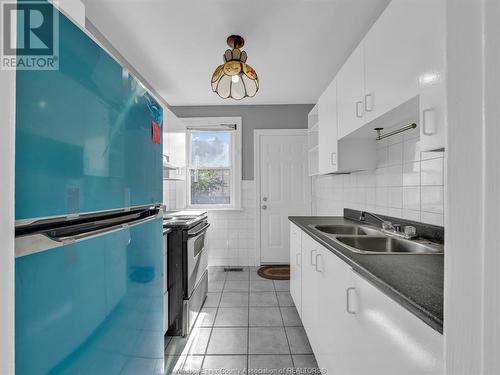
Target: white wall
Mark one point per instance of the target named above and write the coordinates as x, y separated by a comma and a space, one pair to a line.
406, 184
7, 102
174, 194
472, 255
292, 116
491, 295
74, 9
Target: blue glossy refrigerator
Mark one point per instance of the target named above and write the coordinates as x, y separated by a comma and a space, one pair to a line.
89, 267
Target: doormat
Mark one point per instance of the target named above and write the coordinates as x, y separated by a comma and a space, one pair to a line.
278, 272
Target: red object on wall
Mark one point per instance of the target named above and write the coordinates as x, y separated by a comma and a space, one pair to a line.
155, 133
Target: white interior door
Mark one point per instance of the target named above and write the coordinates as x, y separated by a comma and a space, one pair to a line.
284, 189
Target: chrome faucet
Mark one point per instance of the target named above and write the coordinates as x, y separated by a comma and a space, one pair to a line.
391, 229
386, 225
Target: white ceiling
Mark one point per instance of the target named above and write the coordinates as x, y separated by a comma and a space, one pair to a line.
296, 46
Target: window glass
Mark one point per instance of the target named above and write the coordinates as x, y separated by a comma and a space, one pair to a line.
210, 186
210, 149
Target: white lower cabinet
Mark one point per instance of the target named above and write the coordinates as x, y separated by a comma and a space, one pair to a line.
296, 266
353, 327
389, 339
335, 345
311, 296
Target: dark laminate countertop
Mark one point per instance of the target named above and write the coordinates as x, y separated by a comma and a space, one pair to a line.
414, 281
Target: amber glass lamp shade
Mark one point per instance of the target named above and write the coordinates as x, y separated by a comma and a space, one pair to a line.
235, 78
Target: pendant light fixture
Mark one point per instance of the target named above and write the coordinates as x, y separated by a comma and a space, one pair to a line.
235, 78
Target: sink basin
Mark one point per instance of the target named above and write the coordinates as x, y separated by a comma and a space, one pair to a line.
388, 245
352, 230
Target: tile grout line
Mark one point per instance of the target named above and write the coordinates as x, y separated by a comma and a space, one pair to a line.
248, 324
284, 328
213, 324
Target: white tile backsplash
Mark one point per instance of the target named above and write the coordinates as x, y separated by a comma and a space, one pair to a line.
381, 196
432, 172
411, 150
407, 183
395, 197
411, 174
432, 218
411, 198
432, 199
174, 194
231, 238
425, 155
394, 154
382, 157
411, 215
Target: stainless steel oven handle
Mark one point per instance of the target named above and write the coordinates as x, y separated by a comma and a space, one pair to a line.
198, 232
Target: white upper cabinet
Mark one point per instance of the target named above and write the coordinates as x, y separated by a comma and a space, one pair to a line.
432, 79
327, 140
351, 93
313, 141
405, 57
400, 60
336, 155
393, 57
174, 145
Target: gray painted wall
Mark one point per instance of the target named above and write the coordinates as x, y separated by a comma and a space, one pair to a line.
289, 116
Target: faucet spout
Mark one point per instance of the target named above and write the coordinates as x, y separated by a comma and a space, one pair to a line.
385, 224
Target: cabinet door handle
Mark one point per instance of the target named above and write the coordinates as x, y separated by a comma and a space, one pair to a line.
297, 259
369, 102
348, 300
312, 252
429, 121
333, 158
316, 262
359, 109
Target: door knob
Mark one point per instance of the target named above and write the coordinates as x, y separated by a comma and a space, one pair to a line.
264, 207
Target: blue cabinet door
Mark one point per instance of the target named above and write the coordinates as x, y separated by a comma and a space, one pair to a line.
92, 307
84, 134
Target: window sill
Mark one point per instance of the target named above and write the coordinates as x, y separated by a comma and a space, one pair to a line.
226, 209
208, 209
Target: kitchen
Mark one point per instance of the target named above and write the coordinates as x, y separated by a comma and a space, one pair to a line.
178, 203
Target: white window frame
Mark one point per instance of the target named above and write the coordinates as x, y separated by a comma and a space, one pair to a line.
218, 123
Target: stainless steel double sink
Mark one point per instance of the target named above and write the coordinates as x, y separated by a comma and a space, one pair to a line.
363, 239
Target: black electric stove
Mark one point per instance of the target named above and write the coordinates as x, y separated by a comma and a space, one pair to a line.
173, 219
187, 272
